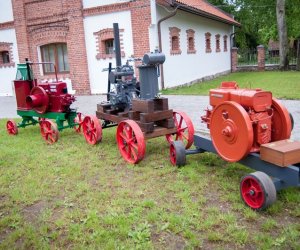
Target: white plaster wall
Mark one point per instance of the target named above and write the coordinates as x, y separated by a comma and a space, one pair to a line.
6, 12
184, 68
98, 79
95, 3
8, 74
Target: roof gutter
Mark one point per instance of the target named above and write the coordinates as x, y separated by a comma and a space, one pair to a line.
173, 13
205, 14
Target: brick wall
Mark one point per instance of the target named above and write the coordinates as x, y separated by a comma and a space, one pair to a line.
40, 22
140, 20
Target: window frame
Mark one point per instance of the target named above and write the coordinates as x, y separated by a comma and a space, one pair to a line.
3, 56
225, 43
208, 42
218, 44
56, 62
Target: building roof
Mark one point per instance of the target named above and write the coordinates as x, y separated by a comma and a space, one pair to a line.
203, 8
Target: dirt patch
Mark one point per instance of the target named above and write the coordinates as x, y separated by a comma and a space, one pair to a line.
32, 212
168, 241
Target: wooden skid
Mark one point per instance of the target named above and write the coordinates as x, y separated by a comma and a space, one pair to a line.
145, 106
167, 123
102, 107
153, 116
159, 131
156, 116
161, 104
110, 117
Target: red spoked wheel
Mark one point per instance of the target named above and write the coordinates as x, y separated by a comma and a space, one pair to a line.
231, 131
185, 130
258, 190
131, 142
78, 120
11, 127
92, 130
49, 131
281, 122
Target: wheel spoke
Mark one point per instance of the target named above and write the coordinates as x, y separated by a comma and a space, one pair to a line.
180, 123
133, 153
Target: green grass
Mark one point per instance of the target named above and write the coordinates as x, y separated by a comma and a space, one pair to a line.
283, 85
72, 195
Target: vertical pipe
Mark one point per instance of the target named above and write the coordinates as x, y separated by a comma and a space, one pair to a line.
108, 83
117, 46
29, 77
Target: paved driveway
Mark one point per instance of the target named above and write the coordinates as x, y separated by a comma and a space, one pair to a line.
193, 105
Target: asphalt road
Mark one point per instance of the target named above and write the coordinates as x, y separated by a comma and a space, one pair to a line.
194, 106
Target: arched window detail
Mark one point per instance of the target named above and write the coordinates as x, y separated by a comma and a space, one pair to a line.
207, 42
175, 41
225, 43
218, 49
191, 41
57, 53
105, 43
6, 55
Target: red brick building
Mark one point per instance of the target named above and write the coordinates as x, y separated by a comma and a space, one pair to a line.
77, 36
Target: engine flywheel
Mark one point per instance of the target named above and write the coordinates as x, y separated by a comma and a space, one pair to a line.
231, 131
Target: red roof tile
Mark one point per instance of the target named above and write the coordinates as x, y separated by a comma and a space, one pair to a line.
206, 8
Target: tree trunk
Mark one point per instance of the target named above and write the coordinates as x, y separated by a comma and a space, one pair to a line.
298, 55
282, 33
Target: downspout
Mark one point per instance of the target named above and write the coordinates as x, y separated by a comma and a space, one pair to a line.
173, 13
231, 45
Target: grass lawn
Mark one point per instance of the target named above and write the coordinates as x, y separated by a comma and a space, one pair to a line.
283, 85
72, 195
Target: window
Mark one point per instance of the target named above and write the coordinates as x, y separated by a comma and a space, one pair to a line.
56, 53
105, 43
207, 42
218, 43
109, 46
5, 57
191, 41
225, 43
175, 41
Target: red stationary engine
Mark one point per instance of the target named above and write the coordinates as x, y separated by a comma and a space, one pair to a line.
44, 97
50, 97
243, 119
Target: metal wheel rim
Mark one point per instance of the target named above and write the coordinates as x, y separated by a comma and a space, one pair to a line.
185, 129
49, 131
252, 192
92, 130
131, 141
11, 127
172, 155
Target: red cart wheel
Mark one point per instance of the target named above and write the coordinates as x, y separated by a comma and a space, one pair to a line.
177, 153
231, 131
185, 130
78, 119
92, 130
131, 142
258, 190
281, 122
11, 127
49, 131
